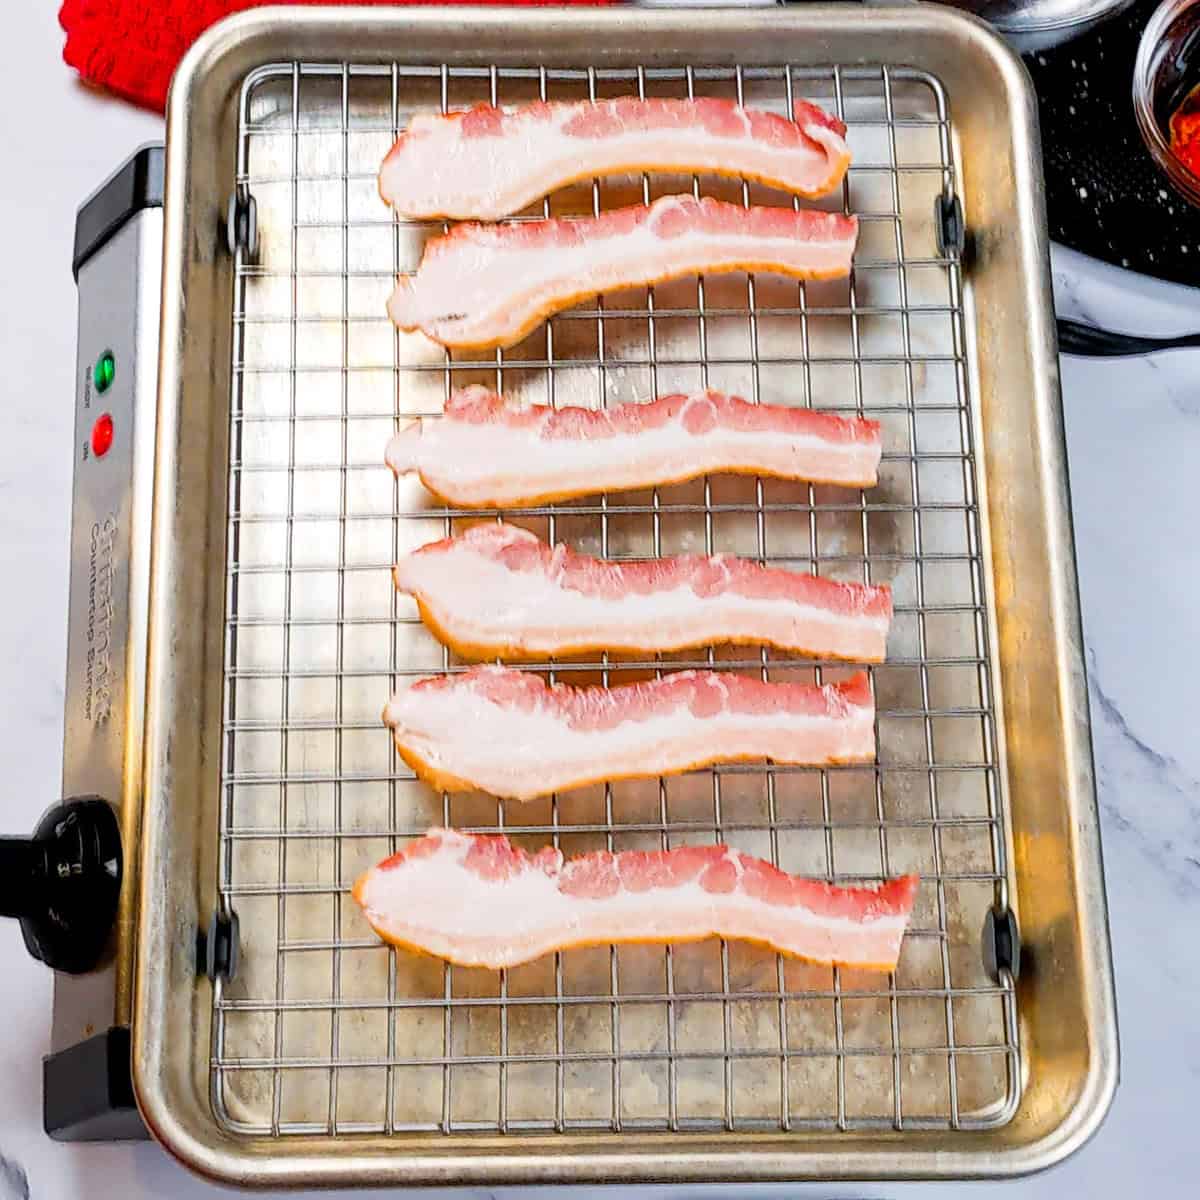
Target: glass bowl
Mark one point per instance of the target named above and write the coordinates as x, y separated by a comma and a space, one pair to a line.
1166, 70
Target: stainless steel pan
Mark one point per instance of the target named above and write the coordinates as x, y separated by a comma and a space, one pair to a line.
275, 636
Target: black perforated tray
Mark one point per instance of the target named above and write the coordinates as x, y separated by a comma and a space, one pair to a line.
1104, 194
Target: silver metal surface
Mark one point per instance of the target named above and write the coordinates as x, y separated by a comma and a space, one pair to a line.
333, 1058
110, 569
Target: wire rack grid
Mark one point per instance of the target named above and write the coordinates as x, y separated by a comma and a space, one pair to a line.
327, 1031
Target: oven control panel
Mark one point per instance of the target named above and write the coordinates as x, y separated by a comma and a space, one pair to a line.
118, 268
113, 443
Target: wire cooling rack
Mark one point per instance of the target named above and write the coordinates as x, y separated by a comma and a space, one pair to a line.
325, 1030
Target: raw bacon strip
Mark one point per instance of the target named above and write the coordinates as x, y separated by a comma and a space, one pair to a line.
482, 902
510, 733
487, 162
486, 451
500, 591
489, 285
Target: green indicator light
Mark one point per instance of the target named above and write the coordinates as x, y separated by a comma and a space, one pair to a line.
104, 370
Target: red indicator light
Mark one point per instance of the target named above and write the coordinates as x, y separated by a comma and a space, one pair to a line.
102, 435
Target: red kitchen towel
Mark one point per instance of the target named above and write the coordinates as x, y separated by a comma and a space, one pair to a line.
131, 47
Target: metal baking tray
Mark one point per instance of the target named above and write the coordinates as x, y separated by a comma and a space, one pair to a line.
275, 635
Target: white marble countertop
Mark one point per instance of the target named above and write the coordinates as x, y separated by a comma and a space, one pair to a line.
1134, 435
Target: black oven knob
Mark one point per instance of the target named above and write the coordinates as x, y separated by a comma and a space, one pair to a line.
62, 884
